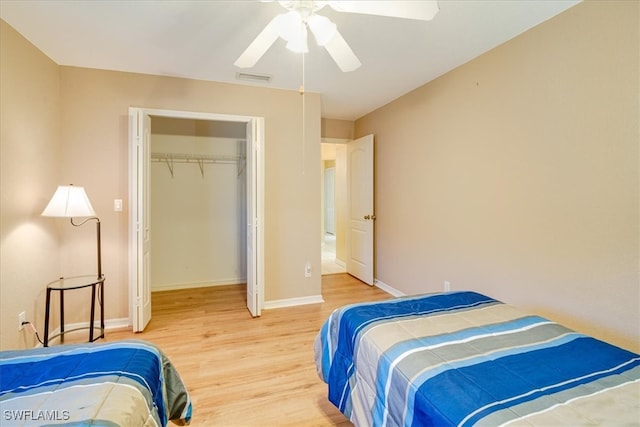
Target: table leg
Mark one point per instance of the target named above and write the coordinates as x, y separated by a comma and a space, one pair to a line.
61, 315
46, 319
93, 311
102, 309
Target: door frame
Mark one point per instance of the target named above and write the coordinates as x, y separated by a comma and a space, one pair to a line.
256, 145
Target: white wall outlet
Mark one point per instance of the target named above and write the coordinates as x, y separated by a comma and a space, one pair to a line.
447, 286
307, 269
22, 317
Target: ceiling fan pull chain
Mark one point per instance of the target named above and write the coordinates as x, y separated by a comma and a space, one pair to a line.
303, 114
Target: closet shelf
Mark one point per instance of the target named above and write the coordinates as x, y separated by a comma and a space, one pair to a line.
199, 159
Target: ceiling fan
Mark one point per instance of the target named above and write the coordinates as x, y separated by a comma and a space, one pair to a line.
302, 15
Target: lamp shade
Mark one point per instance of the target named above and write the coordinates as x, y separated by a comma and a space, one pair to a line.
69, 201
298, 43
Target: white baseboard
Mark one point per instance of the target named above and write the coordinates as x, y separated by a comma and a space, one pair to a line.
292, 302
116, 323
388, 289
178, 286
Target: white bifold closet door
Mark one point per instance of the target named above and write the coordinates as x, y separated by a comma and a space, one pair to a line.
140, 234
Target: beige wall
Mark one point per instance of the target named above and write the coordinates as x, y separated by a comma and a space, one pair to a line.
92, 109
337, 129
100, 99
29, 157
517, 174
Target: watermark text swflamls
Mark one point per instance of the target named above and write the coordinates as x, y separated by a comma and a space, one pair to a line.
31, 415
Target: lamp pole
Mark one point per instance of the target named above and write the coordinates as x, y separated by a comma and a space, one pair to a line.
98, 240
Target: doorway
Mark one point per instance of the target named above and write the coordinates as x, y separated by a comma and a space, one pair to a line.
198, 211
332, 237
140, 233
352, 161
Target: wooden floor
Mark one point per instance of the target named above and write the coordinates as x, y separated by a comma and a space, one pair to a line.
242, 371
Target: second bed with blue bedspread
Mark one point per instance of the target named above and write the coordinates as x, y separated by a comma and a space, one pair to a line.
462, 358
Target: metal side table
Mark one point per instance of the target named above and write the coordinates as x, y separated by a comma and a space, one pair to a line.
68, 284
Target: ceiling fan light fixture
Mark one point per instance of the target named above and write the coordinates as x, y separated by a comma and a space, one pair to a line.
298, 43
322, 28
288, 25
293, 30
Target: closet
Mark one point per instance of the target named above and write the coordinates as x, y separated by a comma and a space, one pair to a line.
198, 203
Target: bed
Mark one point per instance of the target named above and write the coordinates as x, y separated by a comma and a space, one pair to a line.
124, 383
462, 358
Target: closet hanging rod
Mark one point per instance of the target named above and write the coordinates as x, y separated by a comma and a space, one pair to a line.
200, 159
195, 158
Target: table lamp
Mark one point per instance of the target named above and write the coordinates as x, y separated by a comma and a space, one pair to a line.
70, 201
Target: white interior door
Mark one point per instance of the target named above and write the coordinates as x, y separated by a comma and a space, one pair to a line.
141, 129
254, 217
360, 230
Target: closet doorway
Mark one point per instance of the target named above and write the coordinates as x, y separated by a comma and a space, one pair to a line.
196, 204
198, 212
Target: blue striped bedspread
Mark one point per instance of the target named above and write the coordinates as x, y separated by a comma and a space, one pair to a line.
123, 383
462, 358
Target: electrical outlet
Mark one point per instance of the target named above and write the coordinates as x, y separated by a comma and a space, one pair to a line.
22, 317
307, 270
447, 286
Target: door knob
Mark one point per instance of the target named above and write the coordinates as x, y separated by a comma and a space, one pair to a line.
367, 217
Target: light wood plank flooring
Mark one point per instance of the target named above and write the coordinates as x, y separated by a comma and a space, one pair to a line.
242, 371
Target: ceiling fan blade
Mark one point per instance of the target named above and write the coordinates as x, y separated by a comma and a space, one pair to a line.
423, 10
259, 45
342, 53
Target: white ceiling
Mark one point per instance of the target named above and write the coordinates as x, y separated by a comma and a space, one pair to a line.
202, 39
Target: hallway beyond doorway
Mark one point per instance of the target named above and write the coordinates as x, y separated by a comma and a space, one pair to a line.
330, 265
